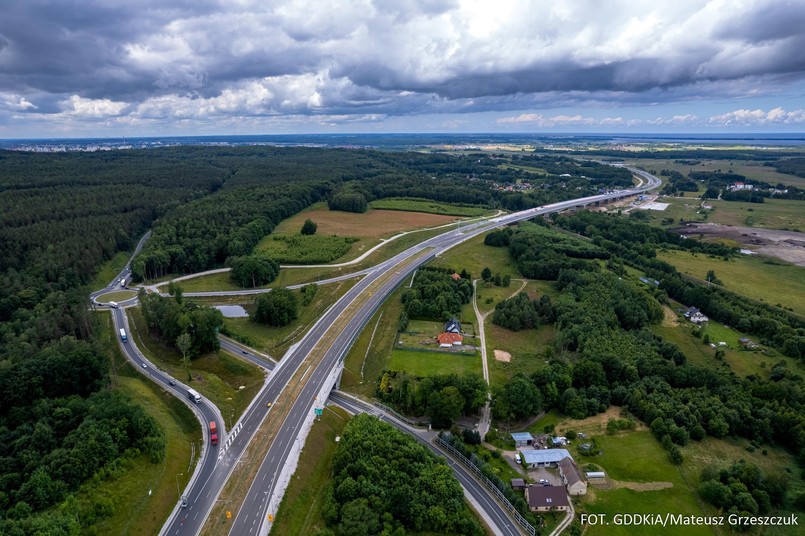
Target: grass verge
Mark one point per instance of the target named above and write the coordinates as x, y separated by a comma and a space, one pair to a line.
300, 509
127, 487
275, 341
473, 256
218, 376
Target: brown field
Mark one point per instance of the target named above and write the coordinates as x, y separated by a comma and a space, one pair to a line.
373, 224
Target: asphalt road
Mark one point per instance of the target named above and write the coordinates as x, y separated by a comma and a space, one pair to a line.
254, 510
218, 462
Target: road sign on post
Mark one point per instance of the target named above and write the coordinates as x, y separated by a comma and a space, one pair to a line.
319, 411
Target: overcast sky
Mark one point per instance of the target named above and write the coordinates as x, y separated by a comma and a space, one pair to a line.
72, 68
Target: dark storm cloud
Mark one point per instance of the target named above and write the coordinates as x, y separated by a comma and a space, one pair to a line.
770, 21
207, 58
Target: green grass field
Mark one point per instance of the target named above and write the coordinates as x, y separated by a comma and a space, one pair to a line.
126, 489
424, 363
527, 349
637, 457
786, 214
474, 256
217, 376
275, 341
742, 362
770, 280
421, 334
488, 291
300, 509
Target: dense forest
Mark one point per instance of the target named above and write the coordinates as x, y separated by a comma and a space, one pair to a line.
61, 217
434, 295
385, 482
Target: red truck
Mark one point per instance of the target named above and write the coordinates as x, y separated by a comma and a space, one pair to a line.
213, 433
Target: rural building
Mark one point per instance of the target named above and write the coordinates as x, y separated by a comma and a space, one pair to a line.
649, 281
455, 276
448, 340
543, 457
522, 438
546, 498
571, 477
698, 318
518, 484
453, 326
740, 186
596, 475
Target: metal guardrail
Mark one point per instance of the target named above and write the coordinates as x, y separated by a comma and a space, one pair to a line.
529, 528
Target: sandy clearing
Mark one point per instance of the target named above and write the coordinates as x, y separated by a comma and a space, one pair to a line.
502, 355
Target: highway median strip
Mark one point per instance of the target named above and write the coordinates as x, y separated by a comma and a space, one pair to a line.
239, 482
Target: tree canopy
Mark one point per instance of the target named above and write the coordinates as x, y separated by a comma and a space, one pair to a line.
384, 481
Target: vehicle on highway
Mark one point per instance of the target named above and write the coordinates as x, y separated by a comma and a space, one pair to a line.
193, 395
184, 501
113, 305
213, 433
145, 366
123, 335
171, 382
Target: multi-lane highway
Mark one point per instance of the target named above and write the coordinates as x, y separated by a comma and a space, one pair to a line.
215, 469
253, 513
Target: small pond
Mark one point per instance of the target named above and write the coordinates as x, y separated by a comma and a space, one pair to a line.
232, 311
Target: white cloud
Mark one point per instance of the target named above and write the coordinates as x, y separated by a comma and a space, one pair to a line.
776, 116
401, 58
92, 108
15, 103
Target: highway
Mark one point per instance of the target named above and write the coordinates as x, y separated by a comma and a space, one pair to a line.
217, 464
250, 518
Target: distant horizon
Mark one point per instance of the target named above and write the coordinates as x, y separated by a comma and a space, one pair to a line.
659, 135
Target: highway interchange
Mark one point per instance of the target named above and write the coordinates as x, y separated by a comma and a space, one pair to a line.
217, 462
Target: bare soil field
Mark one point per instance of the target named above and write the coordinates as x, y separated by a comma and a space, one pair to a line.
502, 355
373, 224
786, 245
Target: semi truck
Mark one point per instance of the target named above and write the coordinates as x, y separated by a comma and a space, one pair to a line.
113, 305
194, 396
123, 335
213, 433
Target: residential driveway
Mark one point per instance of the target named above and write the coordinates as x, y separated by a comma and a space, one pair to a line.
550, 474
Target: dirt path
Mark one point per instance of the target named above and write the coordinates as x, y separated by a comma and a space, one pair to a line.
636, 486
670, 319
